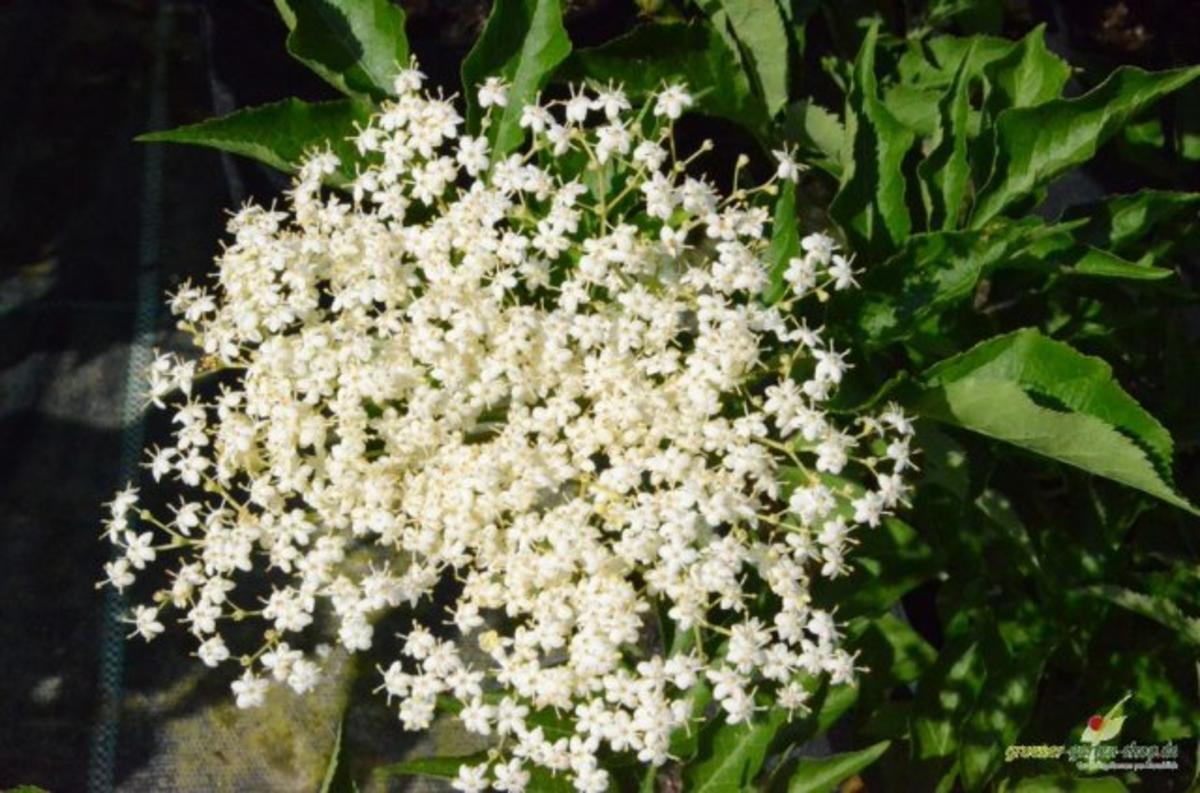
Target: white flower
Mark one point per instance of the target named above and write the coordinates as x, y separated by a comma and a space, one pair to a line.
471, 778
304, 676
514, 376
493, 92
577, 107
868, 509
612, 101
673, 240
612, 139
511, 777
672, 101
793, 696
123, 501
408, 81
788, 168
842, 273
139, 549
472, 154
250, 691
649, 155
118, 574
819, 246
536, 118
145, 622
213, 651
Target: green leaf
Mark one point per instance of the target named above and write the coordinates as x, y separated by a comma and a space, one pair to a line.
435, 767
870, 203
1001, 710
892, 650
819, 134
944, 697
1086, 260
890, 561
357, 46
1094, 426
760, 30
944, 172
1160, 609
916, 107
278, 134
685, 741
523, 41
736, 753
931, 271
785, 241
654, 54
1029, 74
1058, 372
1036, 144
1117, 223
337, 772
998, 509
1004, 411
819, 774
945, 461
933, 62
1058, 250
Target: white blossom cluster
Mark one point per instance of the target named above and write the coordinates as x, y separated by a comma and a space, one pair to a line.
548, 378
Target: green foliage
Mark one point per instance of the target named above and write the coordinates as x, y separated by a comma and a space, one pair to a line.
1054, 371
931, 272
433, 767
337, 777
818, 133
278, 133
523, 41
945, 172
733, 754
785, 241
870, 204
658, 52
1036, 144
889, 562
357, 47
758, 26
1047, 524
1159, 609
1092, 424
820, 774
1148, 225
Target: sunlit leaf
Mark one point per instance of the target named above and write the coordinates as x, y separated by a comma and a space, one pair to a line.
523, 41
357, 46
1034, 145
870, 203
820, 774
655, 54
278, 134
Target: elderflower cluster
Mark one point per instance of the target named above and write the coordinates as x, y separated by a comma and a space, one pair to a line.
548, 379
